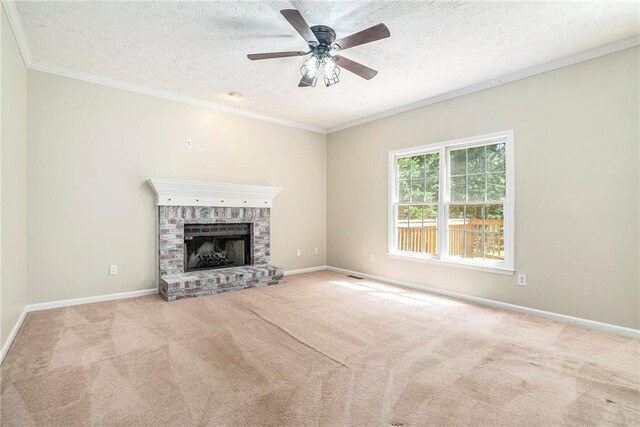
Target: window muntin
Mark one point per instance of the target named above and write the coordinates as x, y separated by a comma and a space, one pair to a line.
453, 202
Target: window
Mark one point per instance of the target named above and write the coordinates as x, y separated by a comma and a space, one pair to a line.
418, 194
452, 202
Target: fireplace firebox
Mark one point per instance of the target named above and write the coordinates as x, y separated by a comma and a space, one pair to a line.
209, 246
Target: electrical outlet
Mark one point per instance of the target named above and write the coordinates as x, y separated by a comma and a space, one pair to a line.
522, 279
188, 143
113, 270
298, 252
372, 257
315, 251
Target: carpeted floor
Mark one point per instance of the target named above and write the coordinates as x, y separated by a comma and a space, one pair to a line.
321, 349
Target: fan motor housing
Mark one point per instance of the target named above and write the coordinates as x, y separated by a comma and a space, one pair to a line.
325, 35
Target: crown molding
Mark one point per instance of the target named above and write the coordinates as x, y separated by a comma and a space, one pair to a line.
18, 31
118, 84
529, 72
14, 20
198, 193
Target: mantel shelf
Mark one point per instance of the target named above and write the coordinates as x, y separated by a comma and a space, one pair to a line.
198, 193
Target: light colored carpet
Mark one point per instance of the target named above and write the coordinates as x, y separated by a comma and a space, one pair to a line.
321, 349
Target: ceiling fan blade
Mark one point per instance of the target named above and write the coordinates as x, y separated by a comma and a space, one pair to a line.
355, 67
371, 34
271, 55
299, 24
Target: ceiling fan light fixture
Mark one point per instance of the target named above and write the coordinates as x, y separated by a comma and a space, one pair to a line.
331, 71
309, 71
321, 42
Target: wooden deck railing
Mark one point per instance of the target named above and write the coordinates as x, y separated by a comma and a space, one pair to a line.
466, 243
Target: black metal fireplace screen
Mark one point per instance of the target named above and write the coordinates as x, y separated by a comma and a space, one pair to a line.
210, 246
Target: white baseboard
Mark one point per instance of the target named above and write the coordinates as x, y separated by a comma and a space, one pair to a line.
66, 303
12, 334
305, 270
620, 330
100, 298
607, 327
89, 300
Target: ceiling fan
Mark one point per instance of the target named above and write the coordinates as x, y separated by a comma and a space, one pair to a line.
322, 42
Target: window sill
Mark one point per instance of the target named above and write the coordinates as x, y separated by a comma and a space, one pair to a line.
496, 269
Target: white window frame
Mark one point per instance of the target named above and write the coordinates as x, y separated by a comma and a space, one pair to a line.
441, 258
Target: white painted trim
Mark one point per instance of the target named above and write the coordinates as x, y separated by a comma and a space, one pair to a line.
621, 330
18, 31
67, 303
592, 324
91, 78
305, 270
12, 335
443, 148
89, 300
519, 75
100, 298
118, 84
586, 55
171, 192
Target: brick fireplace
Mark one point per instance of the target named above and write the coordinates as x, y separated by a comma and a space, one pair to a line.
213, 238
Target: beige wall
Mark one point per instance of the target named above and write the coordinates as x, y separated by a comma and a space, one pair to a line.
13, 170
91, 149
577, 188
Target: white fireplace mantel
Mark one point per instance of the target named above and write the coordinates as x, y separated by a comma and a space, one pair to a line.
171, 192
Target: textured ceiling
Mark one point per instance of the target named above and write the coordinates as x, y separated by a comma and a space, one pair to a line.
199, 49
